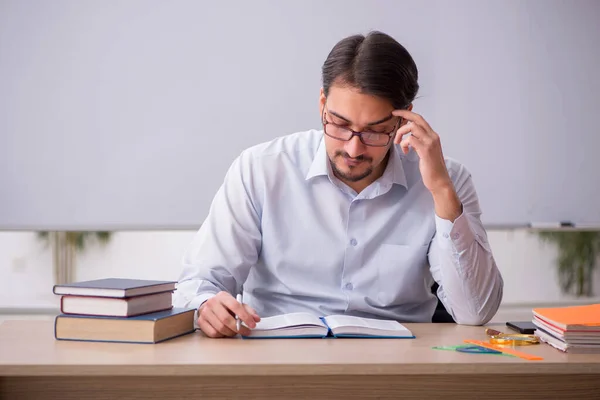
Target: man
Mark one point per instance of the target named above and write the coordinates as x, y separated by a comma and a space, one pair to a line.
359, 218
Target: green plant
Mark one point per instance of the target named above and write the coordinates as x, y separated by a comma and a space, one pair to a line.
79, 239
577, 258
65, 246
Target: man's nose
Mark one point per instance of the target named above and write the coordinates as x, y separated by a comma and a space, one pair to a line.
354, 147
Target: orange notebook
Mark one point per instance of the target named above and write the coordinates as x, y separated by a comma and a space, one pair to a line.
572, 317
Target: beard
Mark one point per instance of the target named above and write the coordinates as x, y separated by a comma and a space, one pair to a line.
355, 174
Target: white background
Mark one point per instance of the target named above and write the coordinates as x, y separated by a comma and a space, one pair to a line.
126, 114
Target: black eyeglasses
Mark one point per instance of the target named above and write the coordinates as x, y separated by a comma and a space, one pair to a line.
374, 139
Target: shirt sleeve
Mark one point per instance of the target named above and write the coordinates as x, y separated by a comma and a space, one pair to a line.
228, 243
461, 259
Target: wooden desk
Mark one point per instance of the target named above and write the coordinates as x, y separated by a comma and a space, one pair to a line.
33, 365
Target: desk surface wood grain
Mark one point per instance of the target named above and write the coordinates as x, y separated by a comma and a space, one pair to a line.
28, 348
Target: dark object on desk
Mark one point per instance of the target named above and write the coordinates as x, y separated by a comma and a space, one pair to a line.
524, 327
440, 315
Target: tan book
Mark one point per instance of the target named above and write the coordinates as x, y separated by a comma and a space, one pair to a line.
148, 328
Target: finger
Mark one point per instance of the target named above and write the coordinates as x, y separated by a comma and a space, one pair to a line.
244, 330
413, 117
207, 328
423, 134
252, 312
230, 321
410, 141
401, 132
239, 310
211, 332
414, 130
227, 319
217, 317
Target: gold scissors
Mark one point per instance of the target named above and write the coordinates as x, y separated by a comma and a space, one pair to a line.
509, 339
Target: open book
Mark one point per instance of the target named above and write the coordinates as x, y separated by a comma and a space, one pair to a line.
305, 325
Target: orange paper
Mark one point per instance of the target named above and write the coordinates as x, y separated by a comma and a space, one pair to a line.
587, 315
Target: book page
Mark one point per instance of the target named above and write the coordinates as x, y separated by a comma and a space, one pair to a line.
289, 320
337, 321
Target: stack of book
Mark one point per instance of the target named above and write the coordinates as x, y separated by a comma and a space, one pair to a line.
120, 310
574, 329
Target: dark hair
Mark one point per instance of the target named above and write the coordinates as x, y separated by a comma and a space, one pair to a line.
376, 64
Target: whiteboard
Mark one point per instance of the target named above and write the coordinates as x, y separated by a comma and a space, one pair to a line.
126, 114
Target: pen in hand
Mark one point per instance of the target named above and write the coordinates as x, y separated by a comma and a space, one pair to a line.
238, 322
222, 316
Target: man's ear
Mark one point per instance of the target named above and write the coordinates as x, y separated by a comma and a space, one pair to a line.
410, 107
322, 100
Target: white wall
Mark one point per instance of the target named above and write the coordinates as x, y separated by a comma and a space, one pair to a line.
26, 268
146, 98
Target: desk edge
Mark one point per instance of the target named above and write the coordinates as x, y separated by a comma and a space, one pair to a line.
526, 367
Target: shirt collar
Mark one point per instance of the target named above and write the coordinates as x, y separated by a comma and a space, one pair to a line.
394, 171
320, 164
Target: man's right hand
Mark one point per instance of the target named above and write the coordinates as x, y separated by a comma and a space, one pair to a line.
216, 316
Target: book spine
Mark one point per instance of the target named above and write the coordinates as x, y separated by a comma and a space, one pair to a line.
118, 316
55, 323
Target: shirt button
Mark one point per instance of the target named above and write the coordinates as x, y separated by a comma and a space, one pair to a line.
445, 235
353, 242
349, 286
455, 236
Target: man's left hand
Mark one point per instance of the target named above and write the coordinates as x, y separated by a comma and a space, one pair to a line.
432, 165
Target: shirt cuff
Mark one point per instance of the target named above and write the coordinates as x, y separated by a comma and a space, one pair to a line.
196, 303
456, 235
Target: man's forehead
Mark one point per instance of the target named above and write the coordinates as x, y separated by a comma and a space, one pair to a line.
377, 119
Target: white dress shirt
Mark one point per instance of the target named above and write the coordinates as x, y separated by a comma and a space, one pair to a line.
298, 239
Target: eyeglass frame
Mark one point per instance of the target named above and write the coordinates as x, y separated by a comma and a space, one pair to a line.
359, 134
